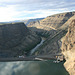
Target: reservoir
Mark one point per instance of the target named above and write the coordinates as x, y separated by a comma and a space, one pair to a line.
32, 68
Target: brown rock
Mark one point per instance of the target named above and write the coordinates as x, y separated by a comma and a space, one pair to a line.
69, 50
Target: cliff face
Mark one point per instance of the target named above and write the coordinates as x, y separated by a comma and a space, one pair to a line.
52, 22
67, 23
53, 43
68, 48
16, 39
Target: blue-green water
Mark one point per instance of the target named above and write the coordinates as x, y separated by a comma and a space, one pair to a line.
32, 68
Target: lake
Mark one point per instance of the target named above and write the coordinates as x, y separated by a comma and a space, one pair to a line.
32, 68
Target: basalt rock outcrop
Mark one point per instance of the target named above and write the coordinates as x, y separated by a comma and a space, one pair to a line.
68, 48
16, 39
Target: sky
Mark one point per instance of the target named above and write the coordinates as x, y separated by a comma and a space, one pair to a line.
11, 10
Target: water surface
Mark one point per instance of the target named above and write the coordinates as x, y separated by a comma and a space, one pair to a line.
32, 68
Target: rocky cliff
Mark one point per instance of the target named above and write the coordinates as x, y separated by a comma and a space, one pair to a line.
68, 48
52, 22
16, 39
52, 44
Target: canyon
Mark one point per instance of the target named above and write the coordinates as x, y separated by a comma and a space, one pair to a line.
53, 28
18, 39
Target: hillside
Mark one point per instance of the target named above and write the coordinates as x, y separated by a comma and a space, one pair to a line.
67, 23
53, 42
16, 39
31, 20
51, 25
68, 48
52, 22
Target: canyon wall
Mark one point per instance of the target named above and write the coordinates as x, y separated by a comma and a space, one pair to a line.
52, 22
16, 39
68, 48
52, 44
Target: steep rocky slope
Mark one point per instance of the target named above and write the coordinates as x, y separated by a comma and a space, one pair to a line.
52, 22
67, 23
53, 43
68, 48
16, 39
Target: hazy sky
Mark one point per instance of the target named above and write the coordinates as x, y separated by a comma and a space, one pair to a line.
26, 9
